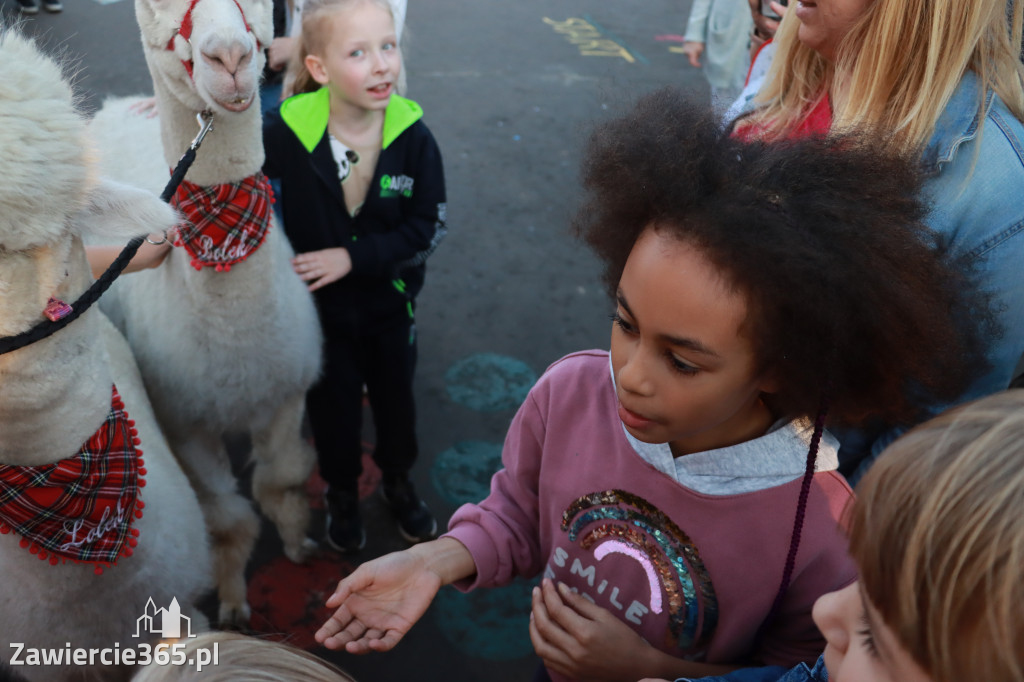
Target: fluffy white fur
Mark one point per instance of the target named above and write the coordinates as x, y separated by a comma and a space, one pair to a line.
220, 351
55, 393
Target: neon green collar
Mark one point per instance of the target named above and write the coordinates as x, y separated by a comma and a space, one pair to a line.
307, 114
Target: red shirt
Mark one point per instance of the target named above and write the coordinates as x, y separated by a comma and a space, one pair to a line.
817, 122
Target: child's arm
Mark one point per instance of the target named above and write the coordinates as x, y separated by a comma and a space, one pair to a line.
280, 52
149, 255
697, 24
696, 34
581, 640
382, 599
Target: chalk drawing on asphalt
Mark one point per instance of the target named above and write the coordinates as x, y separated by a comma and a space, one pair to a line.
462, 473
492, 624
593, 40
489, 382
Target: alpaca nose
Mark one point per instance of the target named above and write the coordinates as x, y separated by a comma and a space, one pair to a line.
229, 57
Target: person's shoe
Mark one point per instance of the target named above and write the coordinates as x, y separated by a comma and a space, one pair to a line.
345, 531
52, 5
415, 522
28, 6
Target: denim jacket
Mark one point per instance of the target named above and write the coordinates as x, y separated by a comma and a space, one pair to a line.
975, 189
801, 673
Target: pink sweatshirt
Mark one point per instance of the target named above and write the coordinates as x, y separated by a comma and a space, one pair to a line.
694, 574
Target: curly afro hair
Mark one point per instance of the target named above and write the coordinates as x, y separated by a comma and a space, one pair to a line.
849, 294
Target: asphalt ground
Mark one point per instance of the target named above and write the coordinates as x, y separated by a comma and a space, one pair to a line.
510, 90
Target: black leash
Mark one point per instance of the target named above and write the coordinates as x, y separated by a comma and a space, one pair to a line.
47, 327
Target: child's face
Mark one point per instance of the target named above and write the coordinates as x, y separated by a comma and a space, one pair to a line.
861, 647
361, 61
684, 374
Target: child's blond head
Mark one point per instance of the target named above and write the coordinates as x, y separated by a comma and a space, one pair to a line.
244, 658
316, 34
938, 535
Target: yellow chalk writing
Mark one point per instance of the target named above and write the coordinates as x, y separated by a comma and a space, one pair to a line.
589, 39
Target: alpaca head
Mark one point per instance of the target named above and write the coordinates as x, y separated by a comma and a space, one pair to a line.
50, 188
207, 53
49, 191
43, 153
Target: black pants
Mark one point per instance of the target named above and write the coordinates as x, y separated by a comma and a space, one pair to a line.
382, 355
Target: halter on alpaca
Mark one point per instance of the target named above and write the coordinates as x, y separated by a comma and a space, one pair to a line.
185, 31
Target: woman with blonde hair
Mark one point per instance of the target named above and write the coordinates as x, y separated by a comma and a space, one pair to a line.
938, 78
937, 534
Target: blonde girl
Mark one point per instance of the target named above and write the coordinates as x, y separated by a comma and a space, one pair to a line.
941, 79
363, 200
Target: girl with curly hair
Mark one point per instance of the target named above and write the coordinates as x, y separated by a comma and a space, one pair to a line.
679, 495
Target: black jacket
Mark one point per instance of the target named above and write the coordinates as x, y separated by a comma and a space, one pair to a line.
401, 221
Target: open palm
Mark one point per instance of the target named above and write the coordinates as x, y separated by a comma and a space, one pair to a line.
378, 603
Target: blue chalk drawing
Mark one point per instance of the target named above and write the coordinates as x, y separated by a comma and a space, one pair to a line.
462, 473
491, 623
489, 382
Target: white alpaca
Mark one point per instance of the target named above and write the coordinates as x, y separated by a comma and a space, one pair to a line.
57, 393
220, 352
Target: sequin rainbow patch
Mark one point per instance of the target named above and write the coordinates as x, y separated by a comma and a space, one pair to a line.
619, 522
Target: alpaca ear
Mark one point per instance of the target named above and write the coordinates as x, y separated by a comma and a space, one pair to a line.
315, 66
118, 211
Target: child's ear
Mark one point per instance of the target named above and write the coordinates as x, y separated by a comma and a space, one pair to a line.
315, 66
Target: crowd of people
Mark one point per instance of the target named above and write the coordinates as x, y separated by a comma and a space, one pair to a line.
798, 459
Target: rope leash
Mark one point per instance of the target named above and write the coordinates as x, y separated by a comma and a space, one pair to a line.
47, 327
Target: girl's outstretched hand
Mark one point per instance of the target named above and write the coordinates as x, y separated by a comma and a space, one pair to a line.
382, 599
320, 268
378, 603
582, 640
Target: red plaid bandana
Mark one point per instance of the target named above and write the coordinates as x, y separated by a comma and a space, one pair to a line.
80, 508
225, 223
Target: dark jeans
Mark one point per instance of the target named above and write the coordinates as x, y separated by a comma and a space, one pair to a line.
383, 358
